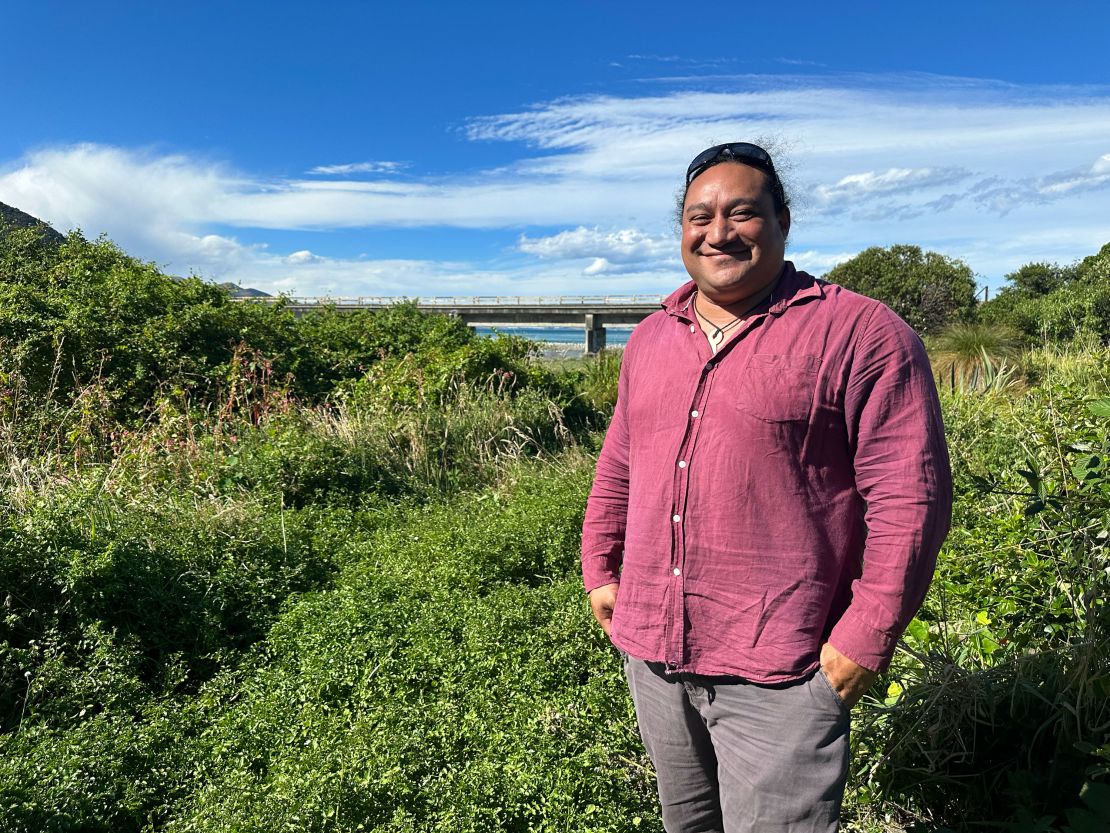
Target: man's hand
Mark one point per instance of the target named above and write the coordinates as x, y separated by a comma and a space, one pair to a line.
602, 602
849, 679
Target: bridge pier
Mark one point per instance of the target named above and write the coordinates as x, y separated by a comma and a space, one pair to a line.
456, 314
595, 334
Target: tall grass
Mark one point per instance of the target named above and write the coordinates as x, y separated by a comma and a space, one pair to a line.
972, 356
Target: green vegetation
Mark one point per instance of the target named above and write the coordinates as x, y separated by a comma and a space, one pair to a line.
1048, 302
260, 572
928, 290
973, 355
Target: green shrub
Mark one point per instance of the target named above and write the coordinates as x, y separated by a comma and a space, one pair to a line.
1001, 697
86, 312
161, 590
971, 356
451, 679
1050, 303
928, 290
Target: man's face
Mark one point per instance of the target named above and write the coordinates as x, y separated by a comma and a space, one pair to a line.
733, 243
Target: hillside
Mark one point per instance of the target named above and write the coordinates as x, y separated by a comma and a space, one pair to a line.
11, 217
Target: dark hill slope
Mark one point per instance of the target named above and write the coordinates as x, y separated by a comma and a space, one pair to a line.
11, 217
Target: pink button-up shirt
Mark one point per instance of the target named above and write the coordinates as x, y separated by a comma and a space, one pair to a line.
791, 489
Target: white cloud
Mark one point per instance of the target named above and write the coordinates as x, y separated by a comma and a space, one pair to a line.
818, 263
963, 167
159, 207
617, 252
622, 246
303, 256
1003, 196
1097, 176
350, 277
892, 180
383, 167
68, 185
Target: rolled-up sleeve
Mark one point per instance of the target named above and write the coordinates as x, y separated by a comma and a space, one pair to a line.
902, 472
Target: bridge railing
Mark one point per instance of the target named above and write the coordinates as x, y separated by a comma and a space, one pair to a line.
370, 301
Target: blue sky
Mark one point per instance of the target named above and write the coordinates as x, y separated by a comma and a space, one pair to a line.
527, 148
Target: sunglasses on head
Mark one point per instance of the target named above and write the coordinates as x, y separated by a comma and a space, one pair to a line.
744, 152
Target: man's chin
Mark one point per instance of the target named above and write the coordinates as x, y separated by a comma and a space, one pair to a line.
734, 290
734, 284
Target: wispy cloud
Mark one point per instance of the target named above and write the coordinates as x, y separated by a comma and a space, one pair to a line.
358, 168
819, 263
1062, 184
799, 62
1003, 196
902, 180
957, 165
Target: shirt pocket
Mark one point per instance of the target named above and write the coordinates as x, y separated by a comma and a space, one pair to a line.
778, 388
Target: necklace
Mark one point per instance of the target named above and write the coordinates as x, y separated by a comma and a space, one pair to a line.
718, 334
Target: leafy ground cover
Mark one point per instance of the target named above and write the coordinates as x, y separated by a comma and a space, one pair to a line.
447, 678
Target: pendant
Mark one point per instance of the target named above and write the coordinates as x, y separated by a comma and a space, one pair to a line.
716, 337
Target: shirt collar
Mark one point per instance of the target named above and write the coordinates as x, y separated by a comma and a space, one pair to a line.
794, 287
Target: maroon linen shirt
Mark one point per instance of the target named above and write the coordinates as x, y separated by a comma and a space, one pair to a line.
791, 489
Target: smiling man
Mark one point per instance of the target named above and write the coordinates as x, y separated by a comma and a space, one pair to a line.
766, 514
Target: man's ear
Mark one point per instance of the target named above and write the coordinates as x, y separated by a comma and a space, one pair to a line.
784, 221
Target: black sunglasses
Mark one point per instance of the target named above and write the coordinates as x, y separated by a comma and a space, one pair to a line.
744, 152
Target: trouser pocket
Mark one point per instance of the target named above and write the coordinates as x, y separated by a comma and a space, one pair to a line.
828, 686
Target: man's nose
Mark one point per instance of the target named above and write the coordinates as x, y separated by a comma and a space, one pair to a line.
718, 231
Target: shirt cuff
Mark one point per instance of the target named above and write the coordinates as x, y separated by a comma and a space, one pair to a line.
863, 644
596, 574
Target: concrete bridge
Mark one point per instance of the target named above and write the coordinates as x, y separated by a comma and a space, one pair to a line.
593, 311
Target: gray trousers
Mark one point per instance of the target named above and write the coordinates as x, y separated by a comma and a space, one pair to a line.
738, 757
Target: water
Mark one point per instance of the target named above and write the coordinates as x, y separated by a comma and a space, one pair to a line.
566, 339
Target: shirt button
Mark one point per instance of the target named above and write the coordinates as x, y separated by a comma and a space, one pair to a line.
676, 518
677, 571
691, 328
694, 414
682, 464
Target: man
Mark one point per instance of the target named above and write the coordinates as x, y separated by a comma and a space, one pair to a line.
766, 514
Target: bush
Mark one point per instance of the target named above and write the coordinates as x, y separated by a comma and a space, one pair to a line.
971, 356
1056, 304
451, 679
86, 312
927, 290
1000, 700
84, 315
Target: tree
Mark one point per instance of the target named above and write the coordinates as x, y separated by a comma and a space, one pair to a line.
1057, 303
927, 289
1036, 279
1095, 268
